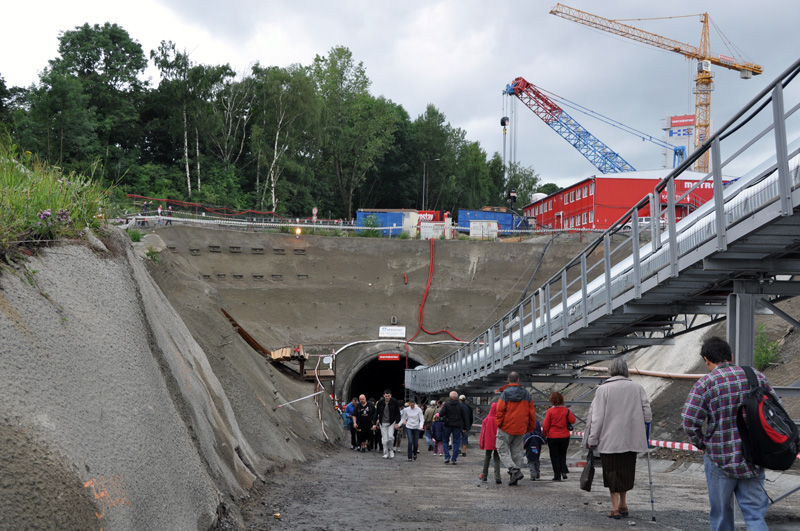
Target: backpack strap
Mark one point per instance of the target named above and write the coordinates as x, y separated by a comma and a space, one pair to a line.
752, 379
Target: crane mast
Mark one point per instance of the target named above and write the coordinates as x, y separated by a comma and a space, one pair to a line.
595, 151
704, 83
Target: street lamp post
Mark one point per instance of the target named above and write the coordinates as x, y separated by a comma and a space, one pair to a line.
423, 180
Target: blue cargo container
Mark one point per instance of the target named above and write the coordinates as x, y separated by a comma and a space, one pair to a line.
506, 221
394, 220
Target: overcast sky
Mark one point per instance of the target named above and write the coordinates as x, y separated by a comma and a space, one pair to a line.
457, 55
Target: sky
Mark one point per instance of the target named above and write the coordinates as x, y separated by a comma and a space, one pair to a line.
458, 55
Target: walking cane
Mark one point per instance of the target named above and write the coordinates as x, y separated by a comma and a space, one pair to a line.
650, 472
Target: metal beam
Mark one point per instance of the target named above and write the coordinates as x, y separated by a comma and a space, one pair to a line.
752, 265
675, 309
772, 287
612, 341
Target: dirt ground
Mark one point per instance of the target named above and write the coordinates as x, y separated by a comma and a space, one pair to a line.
348, 490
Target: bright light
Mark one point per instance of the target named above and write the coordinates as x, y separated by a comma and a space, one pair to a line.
297, 231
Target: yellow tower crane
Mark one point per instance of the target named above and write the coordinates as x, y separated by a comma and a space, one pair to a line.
704, 80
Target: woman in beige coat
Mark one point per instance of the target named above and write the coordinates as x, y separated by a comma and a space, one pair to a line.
615, 428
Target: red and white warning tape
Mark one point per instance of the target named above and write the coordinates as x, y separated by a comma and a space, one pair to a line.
662, 444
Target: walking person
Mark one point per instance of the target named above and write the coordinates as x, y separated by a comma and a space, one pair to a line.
349, 411
387, 416
555, 430
169, 215
363, 422
159, 212
430, 411
437, 435
713, 402
532, 443
470, 420
616, 428
488, 443
516, 415
455, 423
413, 420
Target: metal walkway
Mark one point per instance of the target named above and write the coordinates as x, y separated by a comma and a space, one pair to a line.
730, 258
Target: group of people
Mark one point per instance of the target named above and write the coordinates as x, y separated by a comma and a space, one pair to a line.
438, 422
617, 429
146, 206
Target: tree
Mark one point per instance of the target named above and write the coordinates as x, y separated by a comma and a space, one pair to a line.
174, 67
548, 188
356, 128
286, 112
60, 124
5, 96
496, 177
107, 62
522, 179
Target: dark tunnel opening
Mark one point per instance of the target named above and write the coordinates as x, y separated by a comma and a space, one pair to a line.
378, 375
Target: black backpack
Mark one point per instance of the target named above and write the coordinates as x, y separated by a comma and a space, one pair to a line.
769, 436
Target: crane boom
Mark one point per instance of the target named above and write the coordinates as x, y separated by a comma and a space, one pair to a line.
595, 151
704, 80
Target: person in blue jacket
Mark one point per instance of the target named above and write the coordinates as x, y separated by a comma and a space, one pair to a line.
348, 412
532, 442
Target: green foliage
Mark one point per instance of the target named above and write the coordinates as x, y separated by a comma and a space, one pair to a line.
548, 188
39, 203
404, 236
524, 180
152, 254
766, 351
371, 222
136, 235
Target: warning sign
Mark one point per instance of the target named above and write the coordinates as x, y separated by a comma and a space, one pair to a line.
388, 357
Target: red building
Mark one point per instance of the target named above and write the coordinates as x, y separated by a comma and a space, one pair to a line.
598, 201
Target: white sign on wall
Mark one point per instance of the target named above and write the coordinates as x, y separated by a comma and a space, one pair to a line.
392, 331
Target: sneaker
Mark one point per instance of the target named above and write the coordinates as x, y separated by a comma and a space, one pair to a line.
463, 454
386, 456
409, 460
391, 454
515, 477
498, 481
453, 462
482, 477
447, 461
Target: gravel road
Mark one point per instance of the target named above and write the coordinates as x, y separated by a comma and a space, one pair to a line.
348, 490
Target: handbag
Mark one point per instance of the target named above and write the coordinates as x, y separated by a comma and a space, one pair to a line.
570, 427
587, 476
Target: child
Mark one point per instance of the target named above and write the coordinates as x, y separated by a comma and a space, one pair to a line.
437, 435
533, 442
488, 443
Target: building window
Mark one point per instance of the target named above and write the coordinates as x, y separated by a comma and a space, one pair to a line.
591, 216
578, 195
572, 195
584, 192
566, 199
591, 189
583, 216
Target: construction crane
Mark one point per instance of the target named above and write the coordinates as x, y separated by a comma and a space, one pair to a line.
599, 154
704, 83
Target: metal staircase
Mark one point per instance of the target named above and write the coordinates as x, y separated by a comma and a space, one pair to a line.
730, 258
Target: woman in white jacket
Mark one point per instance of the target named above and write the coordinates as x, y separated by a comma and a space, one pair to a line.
413, 420
616, 428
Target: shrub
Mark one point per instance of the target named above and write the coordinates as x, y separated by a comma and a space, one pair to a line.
765, 351
371, 222
136, 236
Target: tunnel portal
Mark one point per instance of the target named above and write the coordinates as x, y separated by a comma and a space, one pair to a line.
377, 375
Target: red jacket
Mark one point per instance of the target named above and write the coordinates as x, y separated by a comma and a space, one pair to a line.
555, 422
488, 440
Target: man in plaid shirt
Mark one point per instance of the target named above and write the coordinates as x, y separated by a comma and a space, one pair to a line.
712, 404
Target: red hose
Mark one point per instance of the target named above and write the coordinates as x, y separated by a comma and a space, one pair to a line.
422, 307
405, 277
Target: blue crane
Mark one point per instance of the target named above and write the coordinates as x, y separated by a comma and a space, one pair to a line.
600, 155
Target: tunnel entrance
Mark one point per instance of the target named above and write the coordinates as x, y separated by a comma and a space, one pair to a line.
377, 375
